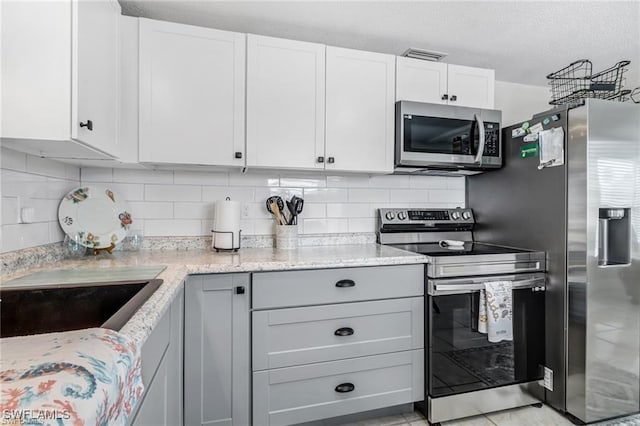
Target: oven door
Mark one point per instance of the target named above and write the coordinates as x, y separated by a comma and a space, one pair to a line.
461, 359
446, 136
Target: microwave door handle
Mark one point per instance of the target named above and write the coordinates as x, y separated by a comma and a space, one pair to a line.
478, 159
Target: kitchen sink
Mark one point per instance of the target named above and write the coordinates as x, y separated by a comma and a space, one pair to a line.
53, 308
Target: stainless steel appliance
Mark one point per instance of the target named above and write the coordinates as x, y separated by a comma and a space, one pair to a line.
465, 373
436, 138
585, 214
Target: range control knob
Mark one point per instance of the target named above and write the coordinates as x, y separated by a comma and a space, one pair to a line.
390, 216
402, 215
466, 215
455, 216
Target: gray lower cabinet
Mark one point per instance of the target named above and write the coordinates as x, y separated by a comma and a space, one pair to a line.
332, 342
217, 350
162, 372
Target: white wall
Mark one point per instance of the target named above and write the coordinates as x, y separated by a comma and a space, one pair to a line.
29, 181
180, 203
519, 102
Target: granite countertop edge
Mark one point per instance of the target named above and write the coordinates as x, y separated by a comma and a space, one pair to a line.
142, 323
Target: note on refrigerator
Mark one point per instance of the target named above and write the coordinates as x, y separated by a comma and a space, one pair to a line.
551, 147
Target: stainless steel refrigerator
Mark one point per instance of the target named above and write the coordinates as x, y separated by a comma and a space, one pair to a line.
585, 214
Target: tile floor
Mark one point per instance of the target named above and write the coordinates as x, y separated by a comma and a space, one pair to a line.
525, 416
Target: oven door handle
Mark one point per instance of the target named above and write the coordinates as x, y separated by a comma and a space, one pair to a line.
538, 284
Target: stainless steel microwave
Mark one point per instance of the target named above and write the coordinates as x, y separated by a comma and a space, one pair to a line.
445, 138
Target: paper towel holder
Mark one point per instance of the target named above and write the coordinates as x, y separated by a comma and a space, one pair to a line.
233, 243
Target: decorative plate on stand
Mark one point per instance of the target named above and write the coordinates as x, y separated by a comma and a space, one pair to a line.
98, 216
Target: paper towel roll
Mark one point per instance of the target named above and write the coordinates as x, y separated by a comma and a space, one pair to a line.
226, 219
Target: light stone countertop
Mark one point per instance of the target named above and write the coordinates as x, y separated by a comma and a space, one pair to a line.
179, 264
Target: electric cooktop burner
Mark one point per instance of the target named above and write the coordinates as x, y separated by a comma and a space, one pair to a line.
468, 249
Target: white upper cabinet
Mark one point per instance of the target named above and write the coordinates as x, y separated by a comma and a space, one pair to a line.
285, 103
435, 82
359, 111
192, 93
60, 65
96, 59
420, 81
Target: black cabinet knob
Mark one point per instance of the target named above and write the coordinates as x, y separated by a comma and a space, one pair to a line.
331, 160
344, 331
88, 125
345, 283
320, 159
240, 289
345, 387
238, 155
454, 98
445, 97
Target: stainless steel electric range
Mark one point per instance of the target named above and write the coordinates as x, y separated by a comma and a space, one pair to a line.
465, 374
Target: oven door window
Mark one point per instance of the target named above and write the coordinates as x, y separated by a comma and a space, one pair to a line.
461, 359
440, 135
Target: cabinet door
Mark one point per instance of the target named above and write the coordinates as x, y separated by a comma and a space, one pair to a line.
360, 111
217, 369
471, 87
285, 103
420, 81
95, 72
191, 95
154, 410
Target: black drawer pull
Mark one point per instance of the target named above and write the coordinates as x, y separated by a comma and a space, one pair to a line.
345, 387
240, 289
344, 331
345, 283
88, 125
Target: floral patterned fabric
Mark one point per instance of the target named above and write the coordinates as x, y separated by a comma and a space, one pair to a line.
83, 377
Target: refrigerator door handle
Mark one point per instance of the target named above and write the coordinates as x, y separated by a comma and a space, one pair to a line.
478, 159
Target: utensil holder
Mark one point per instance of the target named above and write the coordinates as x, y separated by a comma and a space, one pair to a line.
287, 237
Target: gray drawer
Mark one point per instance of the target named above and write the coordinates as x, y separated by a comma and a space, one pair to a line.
155, 346
295, 336
305, 393
324, 286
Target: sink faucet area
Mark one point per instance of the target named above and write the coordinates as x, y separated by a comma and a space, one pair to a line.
56, 308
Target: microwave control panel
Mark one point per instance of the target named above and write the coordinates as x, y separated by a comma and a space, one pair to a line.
492, 140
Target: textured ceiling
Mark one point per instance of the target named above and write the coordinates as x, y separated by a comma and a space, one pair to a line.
522, 40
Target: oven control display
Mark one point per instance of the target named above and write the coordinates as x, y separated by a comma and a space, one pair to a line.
428, 215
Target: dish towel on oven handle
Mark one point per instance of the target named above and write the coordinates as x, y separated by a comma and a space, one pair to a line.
495, 311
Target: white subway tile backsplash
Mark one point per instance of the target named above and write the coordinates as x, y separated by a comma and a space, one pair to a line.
254, 179
358, 195
13, 160
180, 203
172, 227
349, 210
312, 210
194, 210
142, 176
262, 193
303, 182
447, 196
432, 182
151, 209
172, 193
361, 224
96, 174
348, 181
9, 210
46, 167
409, 195
215, 193
325, 195
325, 226
181, 177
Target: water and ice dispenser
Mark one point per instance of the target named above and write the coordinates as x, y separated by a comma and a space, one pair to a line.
614, 236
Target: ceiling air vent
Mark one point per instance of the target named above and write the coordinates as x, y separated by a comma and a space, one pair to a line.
426, 55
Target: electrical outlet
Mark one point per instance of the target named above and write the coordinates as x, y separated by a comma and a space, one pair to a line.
244, 211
